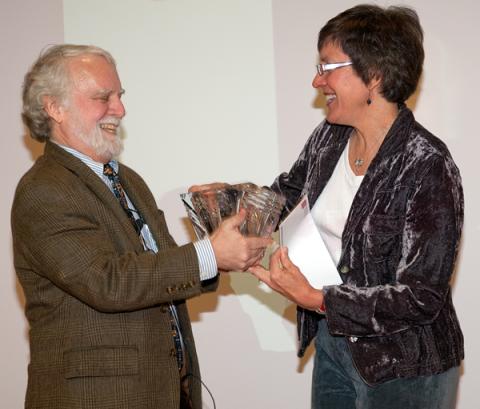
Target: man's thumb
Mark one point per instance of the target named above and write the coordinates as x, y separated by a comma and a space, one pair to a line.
237, 219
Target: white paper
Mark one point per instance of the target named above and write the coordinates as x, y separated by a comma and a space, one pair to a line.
306, 247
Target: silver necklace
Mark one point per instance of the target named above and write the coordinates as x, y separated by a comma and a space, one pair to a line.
358, 162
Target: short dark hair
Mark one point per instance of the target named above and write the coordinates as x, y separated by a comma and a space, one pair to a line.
385, 43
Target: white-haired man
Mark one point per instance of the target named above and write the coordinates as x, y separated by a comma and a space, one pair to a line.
104, 282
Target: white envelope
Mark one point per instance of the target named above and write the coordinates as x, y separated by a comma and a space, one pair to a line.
306, 247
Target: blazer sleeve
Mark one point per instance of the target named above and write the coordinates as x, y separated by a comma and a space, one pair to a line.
66, 236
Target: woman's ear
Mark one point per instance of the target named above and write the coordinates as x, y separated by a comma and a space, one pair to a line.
374, 83
53, 109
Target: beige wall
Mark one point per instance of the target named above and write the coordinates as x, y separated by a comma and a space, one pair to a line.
212, 78
26, 26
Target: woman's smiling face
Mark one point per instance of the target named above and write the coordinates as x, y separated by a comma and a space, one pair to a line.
346, 94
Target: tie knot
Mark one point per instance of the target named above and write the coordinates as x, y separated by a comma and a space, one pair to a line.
108, 170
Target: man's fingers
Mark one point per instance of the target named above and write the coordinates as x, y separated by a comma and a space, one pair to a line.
236, 220
258, 270
259, 242
261, 273
256, 258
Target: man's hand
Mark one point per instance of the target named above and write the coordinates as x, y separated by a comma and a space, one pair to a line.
233, 251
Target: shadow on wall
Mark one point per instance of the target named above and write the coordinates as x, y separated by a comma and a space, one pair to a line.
412, 102
33, 146
35, 150
21, 302
319, 102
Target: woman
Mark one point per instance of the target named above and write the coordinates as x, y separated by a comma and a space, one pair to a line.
387, 199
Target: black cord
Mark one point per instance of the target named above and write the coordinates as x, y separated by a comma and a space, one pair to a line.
203, 384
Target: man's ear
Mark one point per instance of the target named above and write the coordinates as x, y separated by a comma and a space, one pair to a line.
53, 108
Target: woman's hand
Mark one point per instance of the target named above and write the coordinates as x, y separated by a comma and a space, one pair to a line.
285, 277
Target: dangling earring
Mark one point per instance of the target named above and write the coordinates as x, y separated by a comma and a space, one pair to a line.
369, 100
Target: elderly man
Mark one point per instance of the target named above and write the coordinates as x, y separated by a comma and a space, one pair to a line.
105, 283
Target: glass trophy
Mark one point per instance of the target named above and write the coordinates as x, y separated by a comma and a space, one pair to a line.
208, 208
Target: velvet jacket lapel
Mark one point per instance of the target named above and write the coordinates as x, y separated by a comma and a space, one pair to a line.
379, 171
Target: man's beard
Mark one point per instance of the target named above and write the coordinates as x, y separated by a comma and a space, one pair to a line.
96, 140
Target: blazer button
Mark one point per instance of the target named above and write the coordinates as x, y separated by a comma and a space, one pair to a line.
173, 352
344, 269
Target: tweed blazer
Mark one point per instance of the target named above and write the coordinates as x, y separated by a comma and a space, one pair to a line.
398, 255
96, 302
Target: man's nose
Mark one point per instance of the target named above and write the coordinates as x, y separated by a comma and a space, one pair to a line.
117, 108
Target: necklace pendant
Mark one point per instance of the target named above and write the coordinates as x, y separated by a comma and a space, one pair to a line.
358, 162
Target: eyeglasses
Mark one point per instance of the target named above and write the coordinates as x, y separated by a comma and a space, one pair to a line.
323, 68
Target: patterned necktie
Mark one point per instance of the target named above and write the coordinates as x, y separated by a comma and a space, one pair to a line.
120, 195
138, 224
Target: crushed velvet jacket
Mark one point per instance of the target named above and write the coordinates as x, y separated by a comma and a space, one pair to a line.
399, 247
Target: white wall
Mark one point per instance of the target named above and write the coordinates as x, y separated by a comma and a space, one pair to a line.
220, 90
26, 26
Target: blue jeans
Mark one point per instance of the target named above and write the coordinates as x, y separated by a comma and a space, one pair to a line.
337, 385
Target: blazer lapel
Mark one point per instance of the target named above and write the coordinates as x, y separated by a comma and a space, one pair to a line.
144, 203
96, 186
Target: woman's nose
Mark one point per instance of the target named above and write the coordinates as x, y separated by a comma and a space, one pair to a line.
318, 80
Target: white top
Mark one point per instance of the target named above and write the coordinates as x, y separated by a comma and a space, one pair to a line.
330, 211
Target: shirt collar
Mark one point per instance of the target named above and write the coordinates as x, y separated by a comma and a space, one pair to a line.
96, 167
